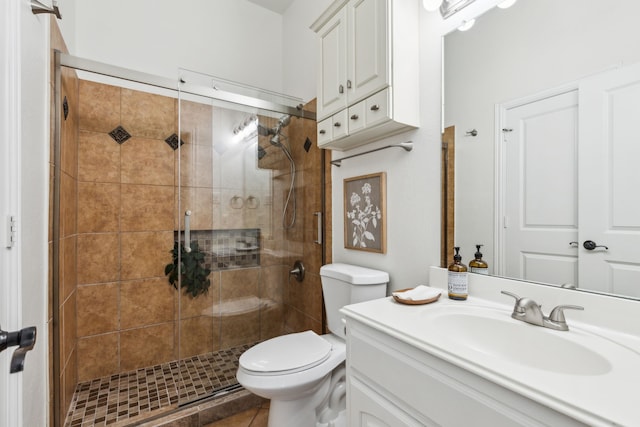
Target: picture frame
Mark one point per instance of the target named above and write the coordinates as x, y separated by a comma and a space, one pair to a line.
365, 213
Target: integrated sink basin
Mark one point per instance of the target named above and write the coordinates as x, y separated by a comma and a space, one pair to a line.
495, 334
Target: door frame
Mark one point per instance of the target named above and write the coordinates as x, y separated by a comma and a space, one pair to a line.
500, 167
10, 187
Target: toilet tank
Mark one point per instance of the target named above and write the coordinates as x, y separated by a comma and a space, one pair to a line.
344, 284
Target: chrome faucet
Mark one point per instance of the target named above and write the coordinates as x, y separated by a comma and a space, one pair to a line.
527, 310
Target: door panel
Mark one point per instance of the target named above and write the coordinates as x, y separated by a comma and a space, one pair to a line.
333, 51
541, 211
609, 176
368, 48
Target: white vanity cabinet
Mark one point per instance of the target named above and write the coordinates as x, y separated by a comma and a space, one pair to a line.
368, 76
393, 383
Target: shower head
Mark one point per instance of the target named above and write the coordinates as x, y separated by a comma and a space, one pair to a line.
276, 140
283, 122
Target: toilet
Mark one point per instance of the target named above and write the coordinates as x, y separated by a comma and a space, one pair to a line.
303, 374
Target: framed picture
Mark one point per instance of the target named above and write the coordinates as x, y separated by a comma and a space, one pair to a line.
365, 213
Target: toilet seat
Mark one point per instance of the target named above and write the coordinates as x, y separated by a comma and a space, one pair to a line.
286, 354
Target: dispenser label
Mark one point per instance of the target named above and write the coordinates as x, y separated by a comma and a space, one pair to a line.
458, 283
480, 270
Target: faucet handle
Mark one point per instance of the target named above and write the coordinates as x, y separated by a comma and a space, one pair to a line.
517, 306
557, 314
511, 295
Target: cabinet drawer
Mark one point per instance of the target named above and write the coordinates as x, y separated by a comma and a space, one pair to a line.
324, 131
377, 108
340, 124
357, 117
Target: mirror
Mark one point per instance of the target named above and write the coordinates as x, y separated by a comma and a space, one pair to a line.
534, 51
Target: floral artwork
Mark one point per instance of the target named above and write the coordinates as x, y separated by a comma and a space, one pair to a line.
365, 216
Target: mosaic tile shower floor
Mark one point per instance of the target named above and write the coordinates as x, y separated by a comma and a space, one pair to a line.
111, 401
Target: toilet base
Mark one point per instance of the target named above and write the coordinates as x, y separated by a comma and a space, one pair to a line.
299, 412
325, 406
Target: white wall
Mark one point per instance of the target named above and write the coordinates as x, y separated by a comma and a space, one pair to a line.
235, 40
299, 53
508, 55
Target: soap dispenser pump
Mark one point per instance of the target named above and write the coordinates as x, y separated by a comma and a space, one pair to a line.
458, 285
478, 265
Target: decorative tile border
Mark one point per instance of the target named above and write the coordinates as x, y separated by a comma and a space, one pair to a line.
228, 249
110, 400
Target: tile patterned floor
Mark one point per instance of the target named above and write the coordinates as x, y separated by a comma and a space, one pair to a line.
110, 400
256, 417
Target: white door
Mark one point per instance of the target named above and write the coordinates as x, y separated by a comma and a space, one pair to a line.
10, 384
541, 213
368, 48
332, 90
609, 181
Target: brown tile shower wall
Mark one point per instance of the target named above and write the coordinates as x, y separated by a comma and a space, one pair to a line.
302, 300
128, 316
67, 255
125, 307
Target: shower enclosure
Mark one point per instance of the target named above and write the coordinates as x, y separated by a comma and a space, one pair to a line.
176, 223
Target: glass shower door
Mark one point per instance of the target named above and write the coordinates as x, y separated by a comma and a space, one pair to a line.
224, 212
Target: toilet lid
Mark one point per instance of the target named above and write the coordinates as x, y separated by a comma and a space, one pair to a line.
291, 353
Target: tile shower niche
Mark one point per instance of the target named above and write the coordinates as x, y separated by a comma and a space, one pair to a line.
227, 249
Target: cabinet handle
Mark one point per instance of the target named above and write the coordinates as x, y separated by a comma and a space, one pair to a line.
322, 131
187, 231
340, 89
337, 124
354, 117
375, 107
348, 84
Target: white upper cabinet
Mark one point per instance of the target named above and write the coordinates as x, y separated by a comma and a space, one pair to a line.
361, 97
368, 52
332, 95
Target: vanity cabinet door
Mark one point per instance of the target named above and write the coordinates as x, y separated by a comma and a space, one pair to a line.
369, 409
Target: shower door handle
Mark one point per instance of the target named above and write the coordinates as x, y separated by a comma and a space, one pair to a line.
319, 239
187, 231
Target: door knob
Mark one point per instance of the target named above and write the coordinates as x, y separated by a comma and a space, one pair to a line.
591, 245
25, 339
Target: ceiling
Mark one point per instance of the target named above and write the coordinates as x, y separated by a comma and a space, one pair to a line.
277, 6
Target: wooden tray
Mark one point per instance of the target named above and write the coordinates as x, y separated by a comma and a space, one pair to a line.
413, 302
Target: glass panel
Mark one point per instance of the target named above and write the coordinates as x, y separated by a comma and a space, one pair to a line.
236, 175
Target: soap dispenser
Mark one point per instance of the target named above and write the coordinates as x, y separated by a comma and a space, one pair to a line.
478, 265
457, 278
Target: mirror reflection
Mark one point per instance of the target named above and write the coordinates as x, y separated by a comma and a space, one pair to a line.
548, 184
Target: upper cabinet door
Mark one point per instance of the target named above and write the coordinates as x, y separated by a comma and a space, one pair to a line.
332, 85
368, 48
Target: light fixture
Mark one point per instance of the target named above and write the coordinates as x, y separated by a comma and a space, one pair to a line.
450, 7
431, 5
506, 4
466, 25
